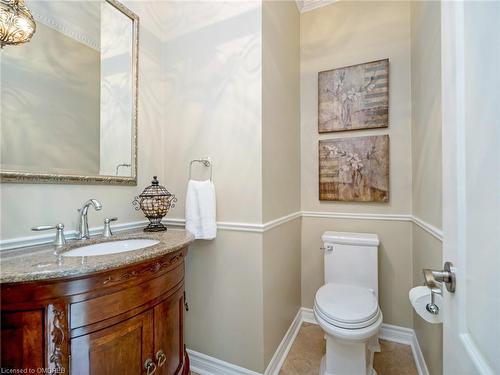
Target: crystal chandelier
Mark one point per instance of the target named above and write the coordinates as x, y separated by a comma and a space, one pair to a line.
16, 23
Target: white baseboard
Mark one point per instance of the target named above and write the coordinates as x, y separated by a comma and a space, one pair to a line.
405, 336
397, 334
308, 315
418, 356
206, 365
274, 366
389, 332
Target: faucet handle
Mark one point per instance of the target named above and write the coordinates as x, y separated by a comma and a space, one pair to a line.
60, 238
44, 227
107, 227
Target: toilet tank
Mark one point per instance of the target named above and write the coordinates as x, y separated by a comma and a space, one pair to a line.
352, 259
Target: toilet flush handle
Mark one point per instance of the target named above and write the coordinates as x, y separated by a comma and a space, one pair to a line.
327, 248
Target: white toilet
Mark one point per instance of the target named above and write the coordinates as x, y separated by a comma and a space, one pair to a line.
346, 307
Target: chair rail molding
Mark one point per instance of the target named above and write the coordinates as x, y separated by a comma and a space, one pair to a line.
360, 215
432, 230
19, 242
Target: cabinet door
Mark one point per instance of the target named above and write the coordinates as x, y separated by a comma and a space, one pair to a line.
169, 334
22, 340
120, 349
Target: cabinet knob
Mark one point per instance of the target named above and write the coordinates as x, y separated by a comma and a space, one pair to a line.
150, 366
160, 358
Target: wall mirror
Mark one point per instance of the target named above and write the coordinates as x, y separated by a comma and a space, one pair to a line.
68, 111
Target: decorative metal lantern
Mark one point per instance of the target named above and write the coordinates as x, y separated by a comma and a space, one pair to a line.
155, 201
17, 24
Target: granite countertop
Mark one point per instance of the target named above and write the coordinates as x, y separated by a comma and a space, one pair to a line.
40, 263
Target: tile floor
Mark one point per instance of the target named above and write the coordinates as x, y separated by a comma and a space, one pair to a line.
309, 346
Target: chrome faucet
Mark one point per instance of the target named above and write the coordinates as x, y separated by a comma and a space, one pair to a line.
83, 226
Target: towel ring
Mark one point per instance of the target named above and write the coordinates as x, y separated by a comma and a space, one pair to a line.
207, 162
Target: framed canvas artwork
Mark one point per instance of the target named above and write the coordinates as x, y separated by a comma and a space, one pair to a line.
354, 169
354, 97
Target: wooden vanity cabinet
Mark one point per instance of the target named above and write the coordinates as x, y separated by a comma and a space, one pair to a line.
117, 322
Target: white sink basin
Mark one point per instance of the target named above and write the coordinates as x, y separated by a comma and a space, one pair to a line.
111, 247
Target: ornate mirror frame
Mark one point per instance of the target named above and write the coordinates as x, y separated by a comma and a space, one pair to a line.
54, 178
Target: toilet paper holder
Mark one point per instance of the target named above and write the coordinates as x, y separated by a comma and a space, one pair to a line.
434, 280
432, 307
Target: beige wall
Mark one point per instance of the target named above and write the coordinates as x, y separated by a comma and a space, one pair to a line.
338, 35
224, 291
201, 95
427, 253
342, 34
282, 283
394, 262
232, 93
280, 109
426, 153
280, 168
216, 89
426, 110
212, 80
28, 205
212, 66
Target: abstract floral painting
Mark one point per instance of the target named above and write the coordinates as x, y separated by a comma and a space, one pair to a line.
354, 169
354, 97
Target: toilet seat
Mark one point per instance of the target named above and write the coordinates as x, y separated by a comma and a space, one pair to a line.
346, 306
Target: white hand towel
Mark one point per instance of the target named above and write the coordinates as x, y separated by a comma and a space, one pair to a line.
200, 209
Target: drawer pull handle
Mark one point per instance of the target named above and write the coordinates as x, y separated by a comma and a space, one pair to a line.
161, 358
150, 366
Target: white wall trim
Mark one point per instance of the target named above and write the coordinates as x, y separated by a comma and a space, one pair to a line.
19, 242
281, 220
418, 356
206, 365
360, 216
48, 237
274, 366
221, 225
308, 315
243, 227
432, 230
389, 332
65, 28
397, 334
307, 5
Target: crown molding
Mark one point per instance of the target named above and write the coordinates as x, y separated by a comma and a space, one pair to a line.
307, 5
65, 28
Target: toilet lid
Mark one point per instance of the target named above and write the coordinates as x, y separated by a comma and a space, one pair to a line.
346, 304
